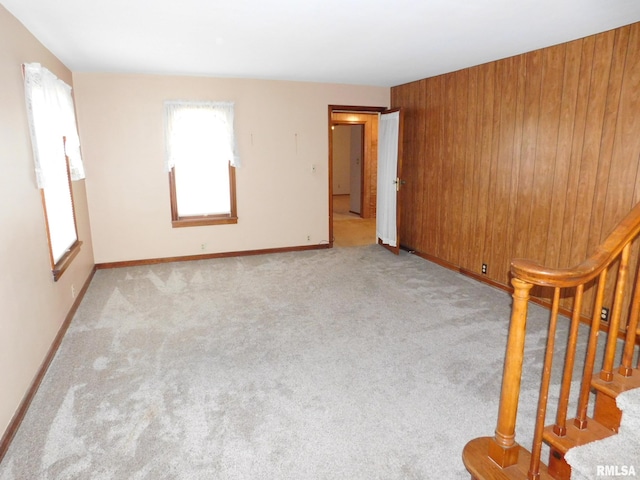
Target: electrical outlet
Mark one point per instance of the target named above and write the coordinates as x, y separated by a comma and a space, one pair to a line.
604, 314
203, 246
308, 238
73, 291
484, 268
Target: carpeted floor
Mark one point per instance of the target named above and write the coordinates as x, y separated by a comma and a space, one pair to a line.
331, 364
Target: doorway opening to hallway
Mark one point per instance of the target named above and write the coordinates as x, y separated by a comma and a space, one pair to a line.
350, 227
353, 157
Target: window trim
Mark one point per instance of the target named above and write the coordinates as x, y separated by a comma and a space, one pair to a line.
202, 220
59, 267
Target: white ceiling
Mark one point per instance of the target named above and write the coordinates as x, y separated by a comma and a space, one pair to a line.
366, 42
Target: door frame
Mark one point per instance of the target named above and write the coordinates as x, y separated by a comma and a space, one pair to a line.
331, 122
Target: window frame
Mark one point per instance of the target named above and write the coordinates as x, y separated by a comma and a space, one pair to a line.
51, 117
59, 267
178, 221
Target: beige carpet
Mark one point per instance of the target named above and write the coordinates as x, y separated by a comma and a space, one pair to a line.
345, 363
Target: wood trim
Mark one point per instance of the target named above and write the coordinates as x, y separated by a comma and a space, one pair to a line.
59, 267
233, 203
204, 220
46, 224
173, 198
209, 256
370, 121
66, 260
353, 109
345, 109
18, 417
330, 170
458, 269
489, 281
73, 200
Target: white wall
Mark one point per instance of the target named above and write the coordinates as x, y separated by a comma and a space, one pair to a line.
282, 130
355, 168
33, 305
283, 134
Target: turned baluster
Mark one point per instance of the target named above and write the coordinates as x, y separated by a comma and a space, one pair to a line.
626, 365
590, 360
560, 427
503, 448
610, 350
534, 466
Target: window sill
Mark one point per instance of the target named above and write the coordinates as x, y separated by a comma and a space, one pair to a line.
203, 221
62, 265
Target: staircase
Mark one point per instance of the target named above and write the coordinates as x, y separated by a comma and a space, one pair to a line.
602, 279
617, 455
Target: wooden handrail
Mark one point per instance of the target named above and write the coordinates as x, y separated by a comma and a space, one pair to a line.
537, 274
503, 450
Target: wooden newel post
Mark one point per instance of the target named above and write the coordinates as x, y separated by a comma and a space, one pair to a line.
503, 449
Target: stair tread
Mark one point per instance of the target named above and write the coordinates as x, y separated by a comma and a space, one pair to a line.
576, 436
477, 461
630, 404
618, 384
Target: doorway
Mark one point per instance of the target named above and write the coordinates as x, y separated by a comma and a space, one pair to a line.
350, 228
348, 152
353, 150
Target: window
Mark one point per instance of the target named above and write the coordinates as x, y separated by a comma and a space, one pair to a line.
201, 162
56, 153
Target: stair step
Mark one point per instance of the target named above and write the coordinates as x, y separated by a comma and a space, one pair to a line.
576, 436
618, 384
476, 459
606, 410
629, 403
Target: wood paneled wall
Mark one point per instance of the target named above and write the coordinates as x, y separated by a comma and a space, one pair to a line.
534, 156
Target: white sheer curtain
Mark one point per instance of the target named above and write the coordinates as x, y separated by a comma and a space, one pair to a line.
51, 117
387, 170
221, 114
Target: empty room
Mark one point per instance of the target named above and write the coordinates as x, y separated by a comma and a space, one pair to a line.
186, 291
